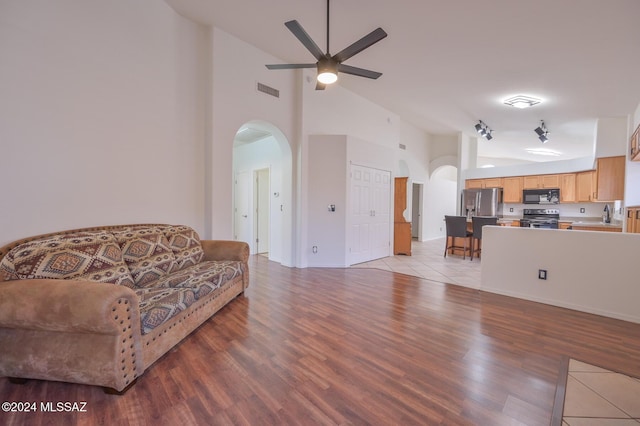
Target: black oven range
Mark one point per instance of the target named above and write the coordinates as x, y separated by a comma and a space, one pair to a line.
540, 218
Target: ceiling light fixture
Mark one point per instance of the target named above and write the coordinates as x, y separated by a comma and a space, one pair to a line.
484, 130
327, 71
522, 101
542, 132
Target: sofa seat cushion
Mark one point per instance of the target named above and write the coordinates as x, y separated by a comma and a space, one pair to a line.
90, 255
175, 292
147, 253
185, 244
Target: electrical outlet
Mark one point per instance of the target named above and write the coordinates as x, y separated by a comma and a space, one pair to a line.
542, 274
510, 209
581, 209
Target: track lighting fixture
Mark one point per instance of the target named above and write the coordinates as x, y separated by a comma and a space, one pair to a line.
542, 132
484, 130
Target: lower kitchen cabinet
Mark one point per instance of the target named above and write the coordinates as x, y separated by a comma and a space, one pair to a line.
633, 220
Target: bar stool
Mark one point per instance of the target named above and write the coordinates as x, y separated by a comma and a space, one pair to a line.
457, 228
478, 222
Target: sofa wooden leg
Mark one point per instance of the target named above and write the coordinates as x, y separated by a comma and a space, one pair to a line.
112, 391
17, 380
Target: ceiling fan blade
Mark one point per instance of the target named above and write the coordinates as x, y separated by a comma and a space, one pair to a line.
304, 38
320, 86
357, 47
360, 72
289, 66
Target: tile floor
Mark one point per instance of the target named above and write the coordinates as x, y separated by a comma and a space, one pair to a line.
427, 261
594, 396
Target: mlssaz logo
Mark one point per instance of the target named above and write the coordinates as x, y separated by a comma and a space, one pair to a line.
64, 406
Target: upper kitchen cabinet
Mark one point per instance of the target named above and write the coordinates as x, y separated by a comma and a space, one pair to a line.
635, 145
541, 181
512, 189
585, 186
610, 178
483, 183
568, 188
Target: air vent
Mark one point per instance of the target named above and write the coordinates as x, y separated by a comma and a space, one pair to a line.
268, 90
402, 146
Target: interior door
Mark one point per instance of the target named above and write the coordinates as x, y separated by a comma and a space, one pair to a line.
262, 211
370, 202
242, 223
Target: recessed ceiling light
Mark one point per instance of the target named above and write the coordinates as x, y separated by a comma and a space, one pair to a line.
522, 101
543, 151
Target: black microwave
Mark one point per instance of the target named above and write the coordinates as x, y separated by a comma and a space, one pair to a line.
541, 196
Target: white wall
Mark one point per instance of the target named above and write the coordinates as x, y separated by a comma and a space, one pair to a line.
328, 182
588, 271
611, 137
442, 198
236, 68
101, 115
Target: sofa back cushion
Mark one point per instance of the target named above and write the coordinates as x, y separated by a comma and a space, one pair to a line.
90, 255
185, 244
147, 253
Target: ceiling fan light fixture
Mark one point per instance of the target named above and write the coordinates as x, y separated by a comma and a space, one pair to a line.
327, 77
522, 101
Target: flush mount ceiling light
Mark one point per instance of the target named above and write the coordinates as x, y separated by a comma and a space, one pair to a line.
542, 132
484, 130
522, 101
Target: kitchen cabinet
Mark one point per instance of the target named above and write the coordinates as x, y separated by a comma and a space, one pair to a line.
530, 182
633, 220
601, 228
568, 188
610, 178
512, 192
635, 145
541, 181
401, 228
585, 188
483, 183
564, 225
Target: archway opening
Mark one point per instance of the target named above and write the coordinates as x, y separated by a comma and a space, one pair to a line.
262, 191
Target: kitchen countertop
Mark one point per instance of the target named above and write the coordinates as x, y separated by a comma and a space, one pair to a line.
589, 223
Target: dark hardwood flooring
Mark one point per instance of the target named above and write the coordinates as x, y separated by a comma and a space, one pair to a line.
354, 346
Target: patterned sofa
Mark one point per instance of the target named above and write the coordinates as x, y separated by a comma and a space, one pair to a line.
99, 305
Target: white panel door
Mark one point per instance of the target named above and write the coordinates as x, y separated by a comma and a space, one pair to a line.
242, 219
262, 210
381, 238
370, 214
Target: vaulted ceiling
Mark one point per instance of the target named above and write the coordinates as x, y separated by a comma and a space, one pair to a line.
448, 64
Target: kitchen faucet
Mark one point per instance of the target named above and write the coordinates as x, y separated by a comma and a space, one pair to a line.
606, 216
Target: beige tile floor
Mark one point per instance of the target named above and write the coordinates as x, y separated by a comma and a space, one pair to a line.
594, 396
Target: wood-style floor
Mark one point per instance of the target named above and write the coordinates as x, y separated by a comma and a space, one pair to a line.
354, 346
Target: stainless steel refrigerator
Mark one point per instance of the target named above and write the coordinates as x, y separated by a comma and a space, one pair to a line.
481, 202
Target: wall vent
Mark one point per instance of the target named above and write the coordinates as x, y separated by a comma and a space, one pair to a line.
268, 90
402, 146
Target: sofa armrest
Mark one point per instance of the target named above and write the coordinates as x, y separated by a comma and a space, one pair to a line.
67, 305
225, 250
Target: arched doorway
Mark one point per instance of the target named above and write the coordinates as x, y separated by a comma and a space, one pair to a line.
262, 191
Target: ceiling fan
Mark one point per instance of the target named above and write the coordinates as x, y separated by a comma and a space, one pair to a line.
329, 65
